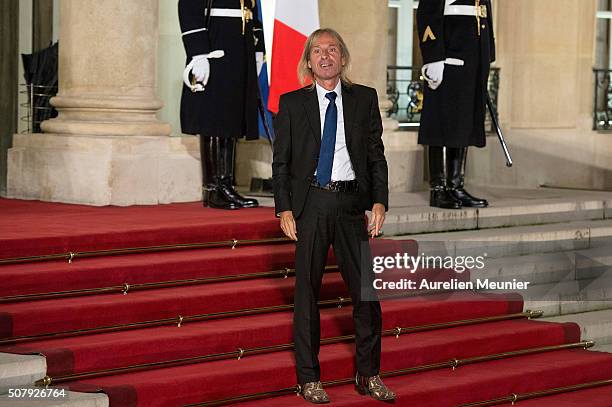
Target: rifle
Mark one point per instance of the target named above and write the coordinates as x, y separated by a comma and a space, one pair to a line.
498, 130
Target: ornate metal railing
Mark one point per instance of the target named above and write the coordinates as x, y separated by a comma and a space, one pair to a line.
602, 104
36, 108
406, 94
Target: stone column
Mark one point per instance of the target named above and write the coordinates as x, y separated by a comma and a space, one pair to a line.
546, 52
546, 67
107, 145
107, 69
363, 24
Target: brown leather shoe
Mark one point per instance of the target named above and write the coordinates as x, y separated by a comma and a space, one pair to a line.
314, 393
373, 386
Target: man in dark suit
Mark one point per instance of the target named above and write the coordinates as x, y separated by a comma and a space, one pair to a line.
329, 167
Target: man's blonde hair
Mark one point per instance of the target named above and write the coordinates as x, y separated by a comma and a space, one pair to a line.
305, 74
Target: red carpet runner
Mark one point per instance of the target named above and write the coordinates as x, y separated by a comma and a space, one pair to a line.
92, 329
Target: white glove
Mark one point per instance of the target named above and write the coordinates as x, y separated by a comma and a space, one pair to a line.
259, 61
200, 68
433, 74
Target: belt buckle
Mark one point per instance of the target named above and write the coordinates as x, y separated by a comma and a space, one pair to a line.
481, 11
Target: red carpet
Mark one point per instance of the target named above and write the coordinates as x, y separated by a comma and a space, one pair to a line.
445, 388
34, 228
599, 397
103, 351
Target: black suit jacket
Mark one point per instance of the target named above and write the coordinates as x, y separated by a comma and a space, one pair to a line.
298, 141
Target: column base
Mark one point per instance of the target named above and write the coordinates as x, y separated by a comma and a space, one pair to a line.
405, 158
104, 170
253, 159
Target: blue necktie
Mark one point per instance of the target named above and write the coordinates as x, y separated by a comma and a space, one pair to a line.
328, 141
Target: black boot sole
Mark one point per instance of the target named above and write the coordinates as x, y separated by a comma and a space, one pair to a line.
475, 205
208, 205
446, 206
250, 206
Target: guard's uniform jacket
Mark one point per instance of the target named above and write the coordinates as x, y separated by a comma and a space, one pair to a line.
228, 106
459, 32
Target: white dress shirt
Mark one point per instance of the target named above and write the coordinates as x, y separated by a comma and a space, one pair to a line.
342, 169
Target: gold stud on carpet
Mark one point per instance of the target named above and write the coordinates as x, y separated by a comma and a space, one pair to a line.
397, 331
454, 363
534, 314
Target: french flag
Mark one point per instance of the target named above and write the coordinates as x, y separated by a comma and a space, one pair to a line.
294, 20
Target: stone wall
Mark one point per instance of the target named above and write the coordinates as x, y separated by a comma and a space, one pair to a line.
546, 52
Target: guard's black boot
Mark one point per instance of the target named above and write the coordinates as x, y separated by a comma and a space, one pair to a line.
455, 164
229, 148
212, 193
439, 197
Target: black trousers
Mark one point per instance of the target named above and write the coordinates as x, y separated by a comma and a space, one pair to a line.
333, 218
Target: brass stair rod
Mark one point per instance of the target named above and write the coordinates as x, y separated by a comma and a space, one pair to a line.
393, 373
513, 398
171, 321
166, 321
478, 359
125, 288
240, 353
70, 256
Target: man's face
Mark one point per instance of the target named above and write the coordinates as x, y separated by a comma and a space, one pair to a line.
325, 58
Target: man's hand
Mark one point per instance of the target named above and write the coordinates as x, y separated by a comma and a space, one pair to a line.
378, 218
287, 223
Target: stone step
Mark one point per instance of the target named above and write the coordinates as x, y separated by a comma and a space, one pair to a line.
69, 399
411, 214
548, 268
595, 325
20, 370
518, 240
560, 283
568, 265
569, 300
602, 348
